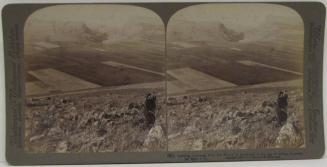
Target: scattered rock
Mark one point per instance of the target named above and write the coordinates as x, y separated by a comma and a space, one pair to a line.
240, 114
197, 145
171, 136
62, 147
53, 131
190, 129
37, 137
264, 104
235, 130
131, 105
102, 132
106, 116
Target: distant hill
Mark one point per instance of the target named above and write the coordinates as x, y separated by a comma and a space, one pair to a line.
274, 29
79, 32
184, 30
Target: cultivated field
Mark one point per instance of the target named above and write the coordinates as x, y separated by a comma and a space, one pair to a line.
226, 64
191, 80
92, 49
80, 69
58, 80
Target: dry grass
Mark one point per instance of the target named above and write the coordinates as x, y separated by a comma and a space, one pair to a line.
234, 120
98, 122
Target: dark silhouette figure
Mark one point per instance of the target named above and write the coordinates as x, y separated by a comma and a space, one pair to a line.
150, 107
282, 102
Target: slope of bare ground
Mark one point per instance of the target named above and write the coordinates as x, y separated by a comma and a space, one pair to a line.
94, 122
235, 119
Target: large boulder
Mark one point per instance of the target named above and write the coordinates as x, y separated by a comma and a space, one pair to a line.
155, 139
289, 137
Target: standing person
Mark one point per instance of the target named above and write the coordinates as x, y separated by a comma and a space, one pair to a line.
150, 107
279, 99
282, 102
285, 100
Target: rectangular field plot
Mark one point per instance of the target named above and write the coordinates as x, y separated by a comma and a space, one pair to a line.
252, 63
176, 87
36, 87
116, 64
107, 76
61, 81
183, 44
149, 85
242, 74
197, 80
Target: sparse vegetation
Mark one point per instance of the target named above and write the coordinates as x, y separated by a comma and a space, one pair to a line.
94, 122
237, 119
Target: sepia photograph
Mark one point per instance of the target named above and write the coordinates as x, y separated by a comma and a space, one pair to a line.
94, 79
163, 82
235, 77
115, 78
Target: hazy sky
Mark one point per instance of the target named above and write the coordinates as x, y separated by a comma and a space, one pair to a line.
119, 21
237, 16
109, 15
241, 17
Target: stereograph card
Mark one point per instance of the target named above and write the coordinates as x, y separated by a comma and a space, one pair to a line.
163, 82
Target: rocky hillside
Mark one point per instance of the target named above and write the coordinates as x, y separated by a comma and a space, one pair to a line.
234, 120
97, 122
114, 121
